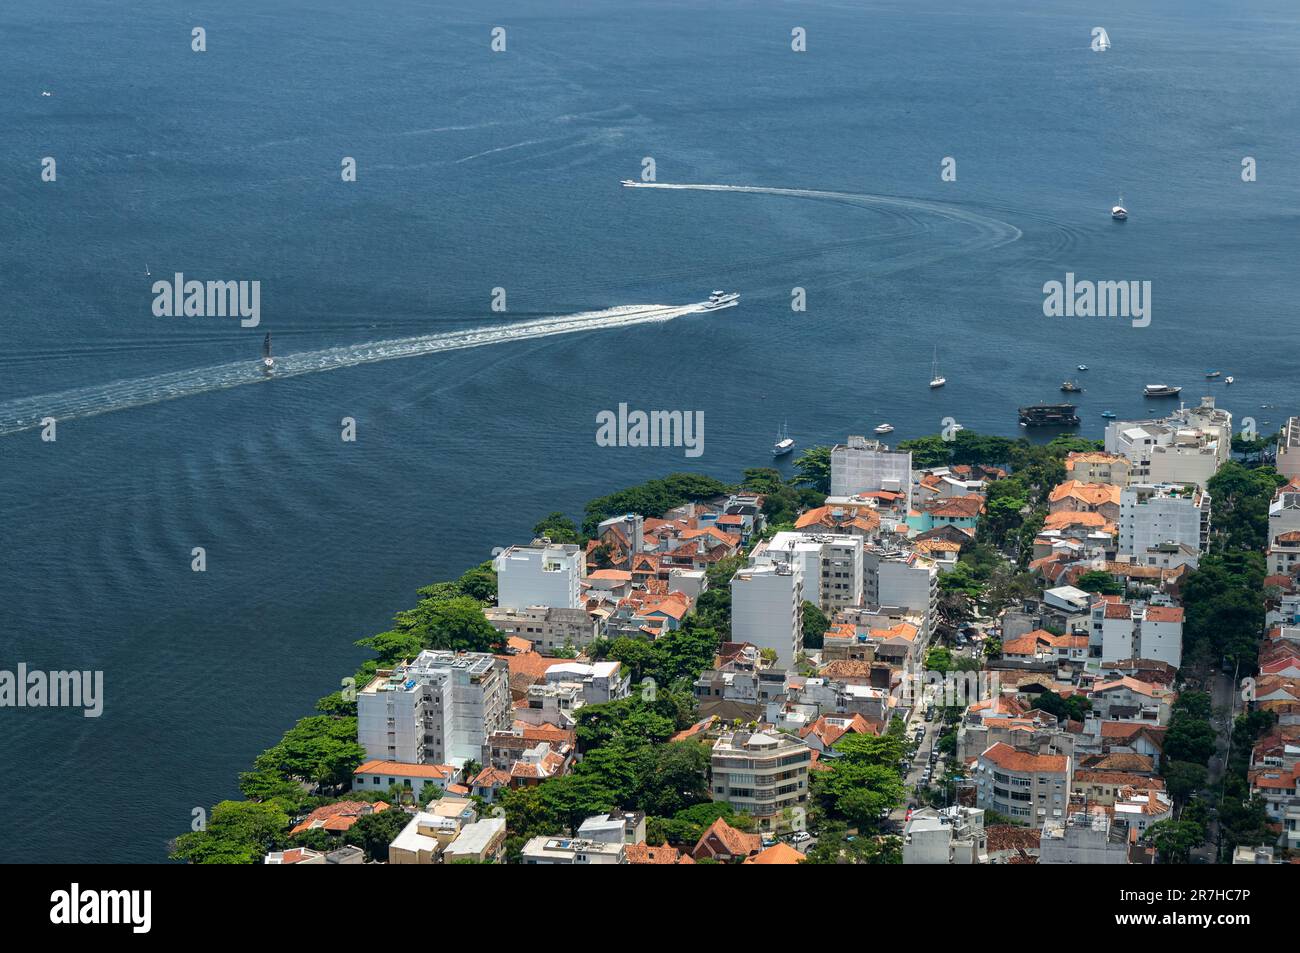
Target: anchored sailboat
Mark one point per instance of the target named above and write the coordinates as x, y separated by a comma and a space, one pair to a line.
935, 379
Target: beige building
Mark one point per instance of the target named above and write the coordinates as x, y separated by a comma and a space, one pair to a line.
763, 774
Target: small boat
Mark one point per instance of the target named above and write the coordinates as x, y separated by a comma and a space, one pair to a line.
885, 428
1161, 390
268, 361
1210, 375
722, 299
1108, 414
1071, 387
1083, 367
628, 183
147, 273
1118, 211
46, 92
1228, 379
784, 443
956, 427
935, 379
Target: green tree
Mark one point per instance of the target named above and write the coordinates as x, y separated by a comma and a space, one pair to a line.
238, 832
815, 625
814, 468
374, 832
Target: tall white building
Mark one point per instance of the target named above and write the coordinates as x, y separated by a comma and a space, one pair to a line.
1151, 514
541, 574
1288, 450
439, 709
1284, 532
860, 465
902, 580
767, 609
1126, 630
832, 566
1188, 446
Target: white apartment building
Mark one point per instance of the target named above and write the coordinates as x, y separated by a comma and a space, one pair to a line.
1083, 838
1151, 514
439, 709
950, 835
1188, 446
902, 580
1134, 630
831, 564
1284, 531
541, 574
1026, 786
763, 774
597, 682
860, 465
767, 609
1288, 449
572, 850
549, 629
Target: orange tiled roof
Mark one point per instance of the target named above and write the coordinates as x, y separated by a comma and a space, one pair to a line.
1005, 756
778, 853
339, 816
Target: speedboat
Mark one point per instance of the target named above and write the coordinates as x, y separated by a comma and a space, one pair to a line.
1160, 390
885, 428
1227, 380
1210, 375
1083, 367
268, 361
722, 299
628, 183
1108, 414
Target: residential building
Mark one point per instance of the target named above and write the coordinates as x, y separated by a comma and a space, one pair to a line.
767, 609
1284, 530
598, 682
951, 835
1288, 449
831, 566
726, 844
616, 827
1186, 447
541, 574
423, 839
482, 842
438, 709
902, 580
1083, 838
762, 774
1025, 786
549, 629
1136, 630
1097, 467
1151, 514
572, 850
863, 466
381, 775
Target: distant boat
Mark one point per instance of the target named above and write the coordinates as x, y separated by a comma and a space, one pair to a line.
268, 361
722, 299
1049, 415
784, 443
628, 183
1118, 211
1227, 380
1083, 367
1210, 375
885, 428
1160, 390
46, 92
1071, 387
1108, 414
935, 379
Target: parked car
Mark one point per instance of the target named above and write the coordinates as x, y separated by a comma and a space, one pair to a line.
799, 837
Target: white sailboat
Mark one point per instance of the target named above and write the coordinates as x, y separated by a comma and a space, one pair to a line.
1118, 211
147, 273
935, 379
784, 443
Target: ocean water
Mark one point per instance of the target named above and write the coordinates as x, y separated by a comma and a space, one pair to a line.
479, 170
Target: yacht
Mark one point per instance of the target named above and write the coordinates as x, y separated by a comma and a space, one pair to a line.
1118, 211
1083, 367
1161, 390
935, 379
885, 428
1210, 375
268, 361
722, 299
1228, 379
784, 443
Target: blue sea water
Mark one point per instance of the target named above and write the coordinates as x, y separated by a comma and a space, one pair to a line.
479, 170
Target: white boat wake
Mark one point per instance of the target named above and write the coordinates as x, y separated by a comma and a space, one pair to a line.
989, 232
26, 413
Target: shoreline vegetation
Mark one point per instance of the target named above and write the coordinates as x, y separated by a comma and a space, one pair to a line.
627, 759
